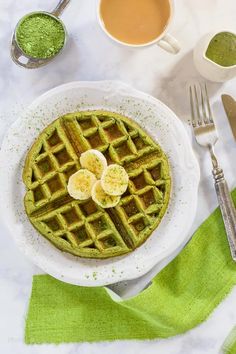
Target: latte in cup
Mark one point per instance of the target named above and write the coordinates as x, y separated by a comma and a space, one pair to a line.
135, 22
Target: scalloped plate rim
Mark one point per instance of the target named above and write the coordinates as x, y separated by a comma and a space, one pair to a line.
49, 268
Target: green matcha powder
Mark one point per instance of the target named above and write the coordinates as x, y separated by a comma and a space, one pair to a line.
222, 49
40, 36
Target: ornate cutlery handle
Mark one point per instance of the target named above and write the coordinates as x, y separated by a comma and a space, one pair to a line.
227, 208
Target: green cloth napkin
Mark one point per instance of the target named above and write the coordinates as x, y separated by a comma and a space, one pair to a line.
229, 346
181, 296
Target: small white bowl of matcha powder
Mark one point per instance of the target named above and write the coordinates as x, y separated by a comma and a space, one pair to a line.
215, 56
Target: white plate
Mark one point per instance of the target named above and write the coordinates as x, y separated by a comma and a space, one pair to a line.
159, 121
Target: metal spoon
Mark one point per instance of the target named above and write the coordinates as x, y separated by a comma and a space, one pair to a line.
20, 58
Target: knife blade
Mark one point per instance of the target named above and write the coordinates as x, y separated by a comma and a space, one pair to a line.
230, 109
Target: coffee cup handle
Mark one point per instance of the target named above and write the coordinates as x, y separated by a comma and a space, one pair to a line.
169, 43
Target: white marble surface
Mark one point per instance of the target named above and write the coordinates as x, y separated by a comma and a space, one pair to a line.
91, 55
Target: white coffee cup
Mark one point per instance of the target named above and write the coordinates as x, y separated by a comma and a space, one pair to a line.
164, 40
208, 68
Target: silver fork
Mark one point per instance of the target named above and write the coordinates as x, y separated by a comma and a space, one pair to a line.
206, 135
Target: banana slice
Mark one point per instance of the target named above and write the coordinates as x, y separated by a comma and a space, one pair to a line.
114, 180
80, 184
103, 199
94, 161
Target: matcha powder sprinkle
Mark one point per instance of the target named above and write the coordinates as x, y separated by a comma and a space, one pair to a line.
40, 36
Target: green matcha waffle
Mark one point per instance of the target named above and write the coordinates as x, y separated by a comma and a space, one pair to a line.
83, 228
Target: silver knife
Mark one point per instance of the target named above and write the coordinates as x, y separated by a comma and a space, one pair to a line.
230, 110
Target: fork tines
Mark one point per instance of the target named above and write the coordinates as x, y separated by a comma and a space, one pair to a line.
200, 106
